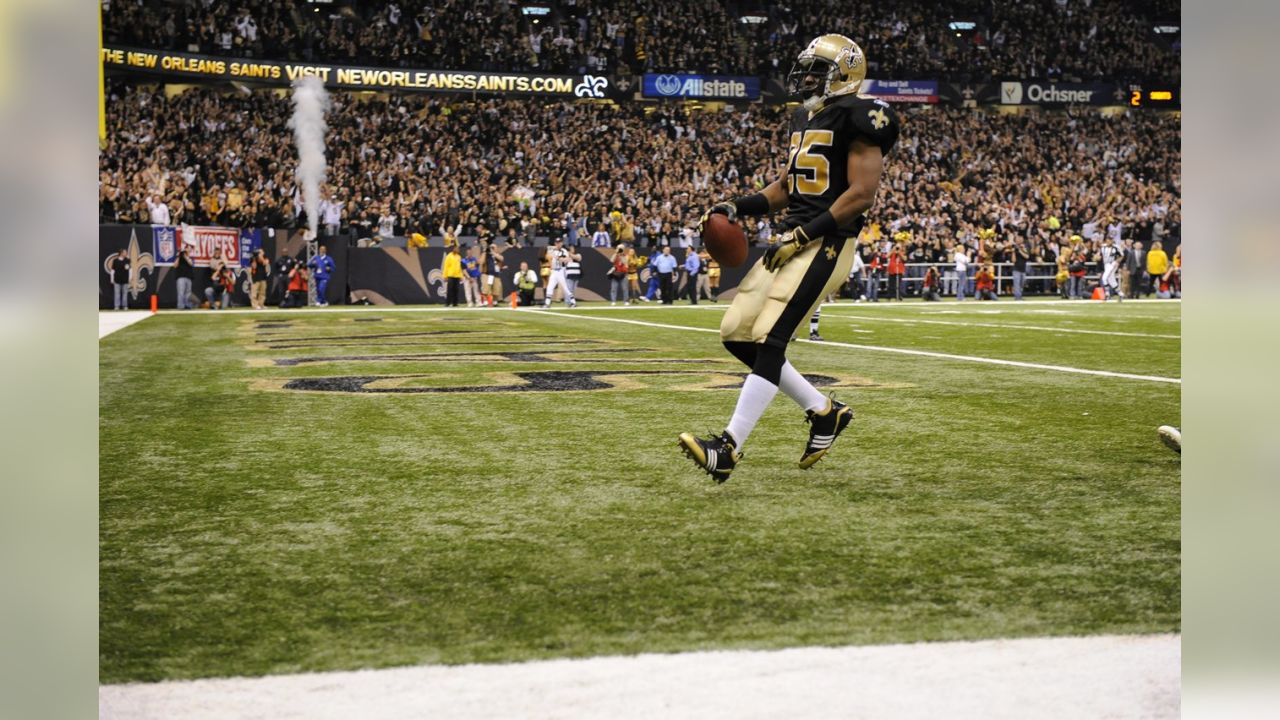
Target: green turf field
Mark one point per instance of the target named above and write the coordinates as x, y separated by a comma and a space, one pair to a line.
312, 490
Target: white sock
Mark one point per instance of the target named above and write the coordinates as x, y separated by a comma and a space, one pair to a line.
801, 390
755, 396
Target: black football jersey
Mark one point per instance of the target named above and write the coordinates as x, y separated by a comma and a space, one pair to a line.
818, 159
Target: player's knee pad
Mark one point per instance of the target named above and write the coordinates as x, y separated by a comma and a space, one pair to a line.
744, 351
769, 362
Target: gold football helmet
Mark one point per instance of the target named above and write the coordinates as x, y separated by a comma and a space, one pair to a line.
832, 65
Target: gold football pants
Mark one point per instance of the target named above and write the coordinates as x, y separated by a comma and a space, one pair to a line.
770, 306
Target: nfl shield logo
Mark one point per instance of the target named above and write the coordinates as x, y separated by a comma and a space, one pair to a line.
164, 245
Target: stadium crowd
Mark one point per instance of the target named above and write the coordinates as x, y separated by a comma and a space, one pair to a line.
414, 163
905, 39
513, 168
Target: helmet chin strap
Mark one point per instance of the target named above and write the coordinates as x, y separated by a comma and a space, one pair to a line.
812, 102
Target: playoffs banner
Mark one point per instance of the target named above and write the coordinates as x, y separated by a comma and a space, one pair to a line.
204, 244
209, 244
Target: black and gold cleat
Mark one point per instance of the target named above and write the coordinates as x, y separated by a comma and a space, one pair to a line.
715, 455
824, 428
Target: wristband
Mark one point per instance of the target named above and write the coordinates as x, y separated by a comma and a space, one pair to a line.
756, 204
819, 227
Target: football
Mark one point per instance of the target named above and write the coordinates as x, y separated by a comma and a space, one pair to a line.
725, 240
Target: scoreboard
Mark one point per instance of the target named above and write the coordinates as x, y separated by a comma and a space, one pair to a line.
1163, 97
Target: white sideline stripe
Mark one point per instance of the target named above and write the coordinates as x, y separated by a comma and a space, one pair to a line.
918, 353
1033, 678
110, 321
1003, 326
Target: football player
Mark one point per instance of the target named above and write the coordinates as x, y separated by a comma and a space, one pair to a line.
838, 144
1112, 255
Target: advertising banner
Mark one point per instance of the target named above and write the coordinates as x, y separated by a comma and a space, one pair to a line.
208, 244
250, 240
185, 67
1039, 92
704, 87
164, 245
919, 91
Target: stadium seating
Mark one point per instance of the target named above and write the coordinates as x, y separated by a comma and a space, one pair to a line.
1111, 39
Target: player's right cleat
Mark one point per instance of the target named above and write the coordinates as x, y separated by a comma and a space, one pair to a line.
1171, 437
814, 336
824, 428
717, 456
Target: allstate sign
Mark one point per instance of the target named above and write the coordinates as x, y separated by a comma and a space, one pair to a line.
708, 87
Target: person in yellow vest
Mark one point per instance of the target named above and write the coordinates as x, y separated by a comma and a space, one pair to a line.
452, 276
1157, 266
526, 282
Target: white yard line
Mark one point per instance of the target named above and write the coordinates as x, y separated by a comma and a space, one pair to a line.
110, 321
918, 353
1004, 326
1036, 678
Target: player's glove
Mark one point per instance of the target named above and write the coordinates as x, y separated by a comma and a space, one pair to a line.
782, 248
726, 208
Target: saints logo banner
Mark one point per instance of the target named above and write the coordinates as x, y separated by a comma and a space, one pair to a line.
184, 67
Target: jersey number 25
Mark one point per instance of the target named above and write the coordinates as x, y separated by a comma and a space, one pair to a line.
809, 172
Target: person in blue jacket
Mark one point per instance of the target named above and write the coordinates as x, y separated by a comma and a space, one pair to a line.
321, 267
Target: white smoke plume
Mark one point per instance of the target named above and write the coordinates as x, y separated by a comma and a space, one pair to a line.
310, 103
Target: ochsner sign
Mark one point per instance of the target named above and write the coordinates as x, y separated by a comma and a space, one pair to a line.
1018, 92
